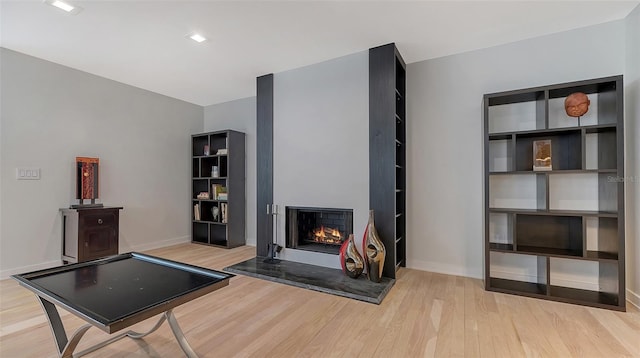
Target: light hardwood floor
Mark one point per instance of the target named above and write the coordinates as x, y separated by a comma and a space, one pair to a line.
424, 315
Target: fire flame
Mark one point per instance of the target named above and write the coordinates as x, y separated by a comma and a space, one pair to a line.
327, 235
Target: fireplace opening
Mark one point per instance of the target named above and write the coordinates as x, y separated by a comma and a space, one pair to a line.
318, 229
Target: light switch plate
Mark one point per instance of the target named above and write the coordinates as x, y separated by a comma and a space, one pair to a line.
28, 173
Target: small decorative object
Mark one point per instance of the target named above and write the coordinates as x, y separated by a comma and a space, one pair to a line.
206, 150
215, 172
203, 195
374, 250
87, 181
576, 105
542, 155
222, 151
215, 211
350, 259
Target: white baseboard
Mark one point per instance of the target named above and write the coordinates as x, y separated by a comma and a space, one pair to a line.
455, 270
158, 244
447, 269
4, 274
558, 280
633, 298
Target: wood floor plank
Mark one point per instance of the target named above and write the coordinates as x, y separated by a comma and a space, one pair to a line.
424, 315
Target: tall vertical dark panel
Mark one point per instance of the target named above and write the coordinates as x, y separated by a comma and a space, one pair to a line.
619, 86
264, 145
382, 149
236, 229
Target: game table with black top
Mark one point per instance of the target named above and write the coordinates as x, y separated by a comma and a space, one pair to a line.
118, 291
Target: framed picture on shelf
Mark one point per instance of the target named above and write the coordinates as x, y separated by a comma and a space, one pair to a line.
542, 155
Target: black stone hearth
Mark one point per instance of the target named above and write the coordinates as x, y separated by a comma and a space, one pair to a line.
315, 278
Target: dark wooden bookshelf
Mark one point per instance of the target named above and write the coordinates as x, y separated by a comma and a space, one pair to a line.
231, 166
555, 239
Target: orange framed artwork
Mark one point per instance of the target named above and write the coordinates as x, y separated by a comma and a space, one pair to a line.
87, 185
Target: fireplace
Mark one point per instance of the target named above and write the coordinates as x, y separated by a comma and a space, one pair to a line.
318, 229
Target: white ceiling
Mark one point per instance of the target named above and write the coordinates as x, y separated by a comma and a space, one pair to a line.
143, 43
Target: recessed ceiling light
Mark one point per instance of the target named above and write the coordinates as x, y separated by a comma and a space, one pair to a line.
197, 37
71, 9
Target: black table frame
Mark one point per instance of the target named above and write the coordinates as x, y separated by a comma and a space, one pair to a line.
66, 346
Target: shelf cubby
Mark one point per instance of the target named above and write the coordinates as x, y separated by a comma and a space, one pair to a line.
501, 231
600, 148
583, 191
566, 149
218, 235
526, 191
200, 233
559, 119
601, 238
604, 95
198, 144
597, 282
506, 273
198, 186
516, 112
553, 235
501, 155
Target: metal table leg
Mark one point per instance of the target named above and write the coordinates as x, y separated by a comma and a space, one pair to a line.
63, 344
66, 347
177, 332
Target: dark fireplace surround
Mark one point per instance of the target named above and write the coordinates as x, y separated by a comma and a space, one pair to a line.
318, 229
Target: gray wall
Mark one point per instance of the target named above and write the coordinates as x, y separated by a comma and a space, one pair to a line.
445, 163
50, 114
321, 151
239, 115
321, 143
632, 158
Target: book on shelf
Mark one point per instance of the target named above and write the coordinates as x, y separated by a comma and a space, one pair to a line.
196, 212
217, 190
223, 209
223, 196
222, 151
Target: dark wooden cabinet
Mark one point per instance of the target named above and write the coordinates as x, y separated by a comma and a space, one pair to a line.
557, 233
89, 233
218, 189
387, 152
